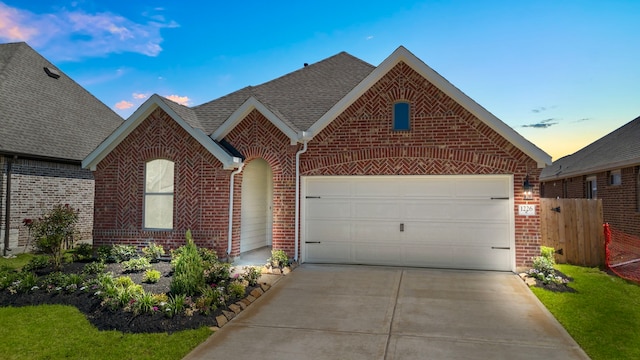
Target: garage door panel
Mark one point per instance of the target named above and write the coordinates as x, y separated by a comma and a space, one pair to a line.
434, 255
376, 254
429, 210
432, 221
329, 209
330, 252
378, 188
434, 189
375, 232
330, 187
328, 230
476, 187
382, 210
481, 258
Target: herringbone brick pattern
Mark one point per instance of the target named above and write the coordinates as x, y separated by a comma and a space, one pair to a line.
444, 139
200, 195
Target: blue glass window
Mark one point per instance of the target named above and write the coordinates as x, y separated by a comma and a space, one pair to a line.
401, 116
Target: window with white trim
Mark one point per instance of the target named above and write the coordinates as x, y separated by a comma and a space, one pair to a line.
615, 177
158, 194
401, 111
592, 187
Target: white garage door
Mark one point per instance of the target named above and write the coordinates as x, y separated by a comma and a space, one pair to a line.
463, 222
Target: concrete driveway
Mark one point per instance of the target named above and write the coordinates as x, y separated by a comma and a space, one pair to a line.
365, 312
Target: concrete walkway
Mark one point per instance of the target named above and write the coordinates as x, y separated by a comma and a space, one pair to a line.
364, 312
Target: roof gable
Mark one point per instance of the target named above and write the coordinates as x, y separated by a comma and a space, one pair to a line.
47, 116
403, 55
244, 110
180, 114
618, 149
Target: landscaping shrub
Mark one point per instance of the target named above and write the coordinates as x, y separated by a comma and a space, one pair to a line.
136, 264
54, 233
37, 262
151, 276
94, 268
121, 253
188, 277
252, 275
82, 252
104, 254
543, 267
236, 289
153, 252
279, 258
217, 272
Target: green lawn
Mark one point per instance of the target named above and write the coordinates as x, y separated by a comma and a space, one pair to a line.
603, 316
62, 332
16, 262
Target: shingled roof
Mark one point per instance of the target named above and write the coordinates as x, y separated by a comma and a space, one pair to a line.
45, 116
299, 98
618, 149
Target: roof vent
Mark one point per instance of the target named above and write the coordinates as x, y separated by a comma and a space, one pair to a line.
305, 64
52, 72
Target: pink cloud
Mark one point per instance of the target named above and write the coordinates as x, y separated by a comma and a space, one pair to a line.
182, 100
139, 96
55, 34
11, 28
123, 105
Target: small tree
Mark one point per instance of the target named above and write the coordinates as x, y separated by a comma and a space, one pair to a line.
188, 277
54, 233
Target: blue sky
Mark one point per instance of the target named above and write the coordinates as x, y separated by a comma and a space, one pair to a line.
561, 73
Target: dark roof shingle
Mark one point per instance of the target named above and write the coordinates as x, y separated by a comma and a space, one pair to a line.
299, 98
618, 148
47, 117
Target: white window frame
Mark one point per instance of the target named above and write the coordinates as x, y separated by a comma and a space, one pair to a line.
168, 184
592, 187
615, 177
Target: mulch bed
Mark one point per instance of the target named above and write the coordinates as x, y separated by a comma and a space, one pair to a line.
119, 320
557, 287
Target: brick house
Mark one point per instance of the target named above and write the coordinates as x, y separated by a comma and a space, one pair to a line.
607, 169
337, 162
49, 124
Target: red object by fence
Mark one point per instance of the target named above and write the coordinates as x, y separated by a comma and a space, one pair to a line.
607, 241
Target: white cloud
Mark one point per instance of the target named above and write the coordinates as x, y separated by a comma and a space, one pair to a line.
182, 100
12, 27
123, 105
139, 96
76, 34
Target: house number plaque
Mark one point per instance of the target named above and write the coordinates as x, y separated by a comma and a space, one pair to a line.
526, 210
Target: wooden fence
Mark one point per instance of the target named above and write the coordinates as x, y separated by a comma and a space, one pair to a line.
575, 226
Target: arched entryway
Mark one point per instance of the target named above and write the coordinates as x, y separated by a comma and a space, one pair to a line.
256, 214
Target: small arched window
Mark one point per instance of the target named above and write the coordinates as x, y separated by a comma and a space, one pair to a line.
401, 111
158, 195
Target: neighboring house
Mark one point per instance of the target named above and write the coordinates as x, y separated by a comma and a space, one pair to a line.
393, 164
48, 124
606, 169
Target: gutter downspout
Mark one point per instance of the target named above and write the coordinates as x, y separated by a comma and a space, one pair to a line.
231, 185
7, 208
297, 221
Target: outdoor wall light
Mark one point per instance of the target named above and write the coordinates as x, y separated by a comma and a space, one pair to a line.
527, 189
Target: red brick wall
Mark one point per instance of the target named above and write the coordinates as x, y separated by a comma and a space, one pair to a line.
201, 189
444, 139
619, 202
256, 137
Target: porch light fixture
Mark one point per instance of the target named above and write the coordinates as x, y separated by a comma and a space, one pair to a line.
527, 189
